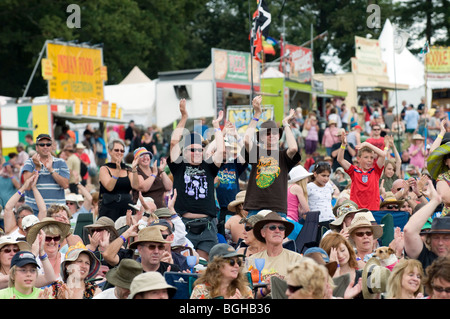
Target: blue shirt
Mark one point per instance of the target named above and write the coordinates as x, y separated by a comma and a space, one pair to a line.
411, 119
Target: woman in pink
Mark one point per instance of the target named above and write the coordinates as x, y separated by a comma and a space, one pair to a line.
329, 136
417, 151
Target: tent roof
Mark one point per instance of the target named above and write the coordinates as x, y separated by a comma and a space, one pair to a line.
135, 76
271, 72
206, 74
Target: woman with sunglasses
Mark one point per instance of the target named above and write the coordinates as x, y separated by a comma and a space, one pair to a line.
116, 182
223, 278
250, 245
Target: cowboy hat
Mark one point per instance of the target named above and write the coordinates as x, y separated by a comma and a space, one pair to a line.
374, 278
34, 230
149, 234
341, 211
122, 275
240, 197
361, 221
269, 125
72, 254
272, 217
105, 223
439, 225
390, 199
298, 173
149, 281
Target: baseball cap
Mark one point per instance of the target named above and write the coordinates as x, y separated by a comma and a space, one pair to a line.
223, 250
23, 258
42, 137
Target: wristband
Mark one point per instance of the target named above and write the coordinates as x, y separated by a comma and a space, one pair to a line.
260, 291
43, 256
35, 170
20, 193
116, 178
123, 238
343, 146
255, 119
153, 175
440, 136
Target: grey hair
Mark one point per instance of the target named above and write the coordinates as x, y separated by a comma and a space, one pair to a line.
111, 143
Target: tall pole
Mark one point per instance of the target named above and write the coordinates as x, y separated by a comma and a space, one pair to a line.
35, 68
251, 53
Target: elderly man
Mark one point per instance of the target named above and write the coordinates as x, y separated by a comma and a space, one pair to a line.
53, 174
438, 237
272, 230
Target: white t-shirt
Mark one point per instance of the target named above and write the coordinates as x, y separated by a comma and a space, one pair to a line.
319, 199
106, 294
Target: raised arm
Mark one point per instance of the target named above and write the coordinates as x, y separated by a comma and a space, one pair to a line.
250, 132
438, 140
290, 139
381, 153
218, 137
175, 149
340, 156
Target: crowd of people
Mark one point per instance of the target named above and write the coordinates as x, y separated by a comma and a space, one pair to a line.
286, 211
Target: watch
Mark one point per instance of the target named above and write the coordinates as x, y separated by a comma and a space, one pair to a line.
146, 214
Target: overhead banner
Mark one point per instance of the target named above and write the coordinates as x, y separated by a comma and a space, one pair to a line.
234, 66
368, 57
77, 72
438, 60
241, 115
300, 63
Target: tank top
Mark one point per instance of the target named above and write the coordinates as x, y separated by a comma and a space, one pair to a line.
123, 184
292, 205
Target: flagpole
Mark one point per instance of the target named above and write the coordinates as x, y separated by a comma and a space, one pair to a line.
251, 53
396, 99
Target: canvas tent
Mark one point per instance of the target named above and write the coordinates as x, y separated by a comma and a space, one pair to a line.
136, 94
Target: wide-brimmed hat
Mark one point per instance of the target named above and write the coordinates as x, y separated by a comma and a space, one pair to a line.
390, 199
268, 125
361, 221
149, 234
239, 199
298, 173
72, 254
341, 211
272, 217
374, 278
418, 137
122, 275
141, 151
223, 250
252, 220
8, 240
34, 230
163, 212
104, 222
149, 281
439, 225
322, 258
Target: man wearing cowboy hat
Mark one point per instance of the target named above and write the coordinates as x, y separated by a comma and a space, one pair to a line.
272, 230
267, 185
438, 237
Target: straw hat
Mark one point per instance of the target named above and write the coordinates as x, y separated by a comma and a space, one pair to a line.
240, 197
106, 223
341, 211
149, 234
390, 199
298, 173
149, 281
360, 221
418, 137
8, 240
374, 278
34, 230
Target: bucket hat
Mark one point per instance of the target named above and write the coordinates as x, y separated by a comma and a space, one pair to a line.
341, 211
374, 278
122, 275
298, 173
149, 281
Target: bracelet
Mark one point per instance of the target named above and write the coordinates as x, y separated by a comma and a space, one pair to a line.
261, 292
123, 238
153, 175
255, 119
135, 171
440, 136
343, 146
116, 178
45, 256
35, 170
20, 193
420, 196
338, 265
386, 148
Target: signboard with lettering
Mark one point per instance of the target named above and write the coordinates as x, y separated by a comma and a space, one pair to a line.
241, 115
438, 60
300, 63
77, 72
234, 66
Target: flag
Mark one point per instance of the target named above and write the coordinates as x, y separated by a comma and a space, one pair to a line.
260, 28
268, 47
425, 49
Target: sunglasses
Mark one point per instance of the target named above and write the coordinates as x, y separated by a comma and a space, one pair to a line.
198, 150
362, 233
233, 262
153, 246
44, 144
9, 250
392, 206
293, 289
248, 228
70, 203
119, 150
274, 227
441, 289
49, 238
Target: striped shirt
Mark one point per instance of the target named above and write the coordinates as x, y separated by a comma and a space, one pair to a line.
50, 190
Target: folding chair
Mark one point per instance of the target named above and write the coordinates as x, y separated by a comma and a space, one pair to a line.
184, 282
83, 220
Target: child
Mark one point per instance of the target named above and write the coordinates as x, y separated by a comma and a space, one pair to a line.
320, 192
392, 167
364, 191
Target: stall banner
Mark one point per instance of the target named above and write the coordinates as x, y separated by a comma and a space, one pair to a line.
234, 66
77, 72
438, 60
241, 115
300, 63
368, 57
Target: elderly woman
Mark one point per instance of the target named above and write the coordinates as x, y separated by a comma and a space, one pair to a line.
153, 180
307, 280
223, 277
406, 280
116, 182
250, 245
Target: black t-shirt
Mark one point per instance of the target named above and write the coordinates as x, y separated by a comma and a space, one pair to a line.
347, 155
426, 257
195, 187
268, 182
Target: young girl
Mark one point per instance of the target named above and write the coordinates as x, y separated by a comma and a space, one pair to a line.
392, 167
321, 191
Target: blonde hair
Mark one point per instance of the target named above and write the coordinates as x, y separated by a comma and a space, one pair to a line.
310, 275
394, 285
303, 184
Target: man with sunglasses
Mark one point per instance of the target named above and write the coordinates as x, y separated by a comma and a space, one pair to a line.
193, 178
53, 174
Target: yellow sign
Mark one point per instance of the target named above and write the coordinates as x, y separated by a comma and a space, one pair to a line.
47, 69
77, 72
438, 60
241, 116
